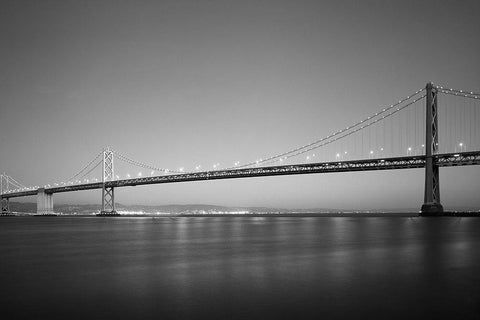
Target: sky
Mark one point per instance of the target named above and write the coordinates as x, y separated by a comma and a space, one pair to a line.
182, 83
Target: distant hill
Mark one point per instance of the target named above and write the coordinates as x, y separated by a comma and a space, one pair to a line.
29, 207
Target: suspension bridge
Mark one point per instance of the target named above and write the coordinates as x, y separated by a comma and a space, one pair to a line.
416, 132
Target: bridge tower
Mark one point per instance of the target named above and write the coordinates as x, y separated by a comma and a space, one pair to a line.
431, 205
108, 196
4, 185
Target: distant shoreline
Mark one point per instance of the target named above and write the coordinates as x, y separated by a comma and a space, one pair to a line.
272, 215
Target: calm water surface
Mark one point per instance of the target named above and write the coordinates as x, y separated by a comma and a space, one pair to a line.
239, 268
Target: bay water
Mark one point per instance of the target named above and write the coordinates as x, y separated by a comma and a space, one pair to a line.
239, 267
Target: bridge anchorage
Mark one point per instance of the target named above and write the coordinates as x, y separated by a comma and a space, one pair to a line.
44, 203
108, 192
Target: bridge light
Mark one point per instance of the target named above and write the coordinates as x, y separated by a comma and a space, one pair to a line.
139, 174
118, 177
128, 175
151, 173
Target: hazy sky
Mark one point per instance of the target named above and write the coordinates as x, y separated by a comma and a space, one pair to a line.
182, 83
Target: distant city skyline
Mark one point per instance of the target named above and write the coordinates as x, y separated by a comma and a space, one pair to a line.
179, 84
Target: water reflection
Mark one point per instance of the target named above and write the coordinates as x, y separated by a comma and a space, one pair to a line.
237, 267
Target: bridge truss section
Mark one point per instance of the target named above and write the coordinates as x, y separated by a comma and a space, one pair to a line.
108, 192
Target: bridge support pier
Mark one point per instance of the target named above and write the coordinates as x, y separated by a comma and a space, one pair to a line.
44, 203
431, 205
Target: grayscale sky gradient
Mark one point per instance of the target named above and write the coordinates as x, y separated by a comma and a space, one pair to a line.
182, 83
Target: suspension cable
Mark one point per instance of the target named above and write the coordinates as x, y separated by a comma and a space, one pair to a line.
352, 132
93, 168
16, 182
457, 92
311, 146
84, 168
13, 182
143, 165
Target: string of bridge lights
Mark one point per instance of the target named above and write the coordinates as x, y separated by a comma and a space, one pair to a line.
311, 146
143, 165
296, 151
346, 134
462, 93
11, 181
74, 177
15, 182
89, 171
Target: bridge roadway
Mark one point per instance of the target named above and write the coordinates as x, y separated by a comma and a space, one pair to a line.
409, 162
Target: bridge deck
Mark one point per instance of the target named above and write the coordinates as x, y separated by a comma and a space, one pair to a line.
411, 162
